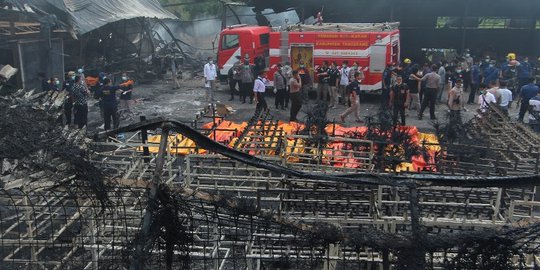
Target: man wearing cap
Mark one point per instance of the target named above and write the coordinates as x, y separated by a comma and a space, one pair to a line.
510, 75
259, 89
210, 75
407, 69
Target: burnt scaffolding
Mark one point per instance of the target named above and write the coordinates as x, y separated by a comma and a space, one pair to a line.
268, 200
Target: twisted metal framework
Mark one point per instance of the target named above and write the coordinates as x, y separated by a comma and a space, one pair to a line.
115, 205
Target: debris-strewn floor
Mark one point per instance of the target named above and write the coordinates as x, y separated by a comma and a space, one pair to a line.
158, 99
295, 200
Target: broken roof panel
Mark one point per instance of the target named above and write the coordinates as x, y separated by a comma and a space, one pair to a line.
88, 15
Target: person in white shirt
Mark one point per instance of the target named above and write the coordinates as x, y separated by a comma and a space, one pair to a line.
494, 89
534, 113
210, 75
444, 80
287, 71
506, 97
259, 89
485, 99
343, 82
456, 101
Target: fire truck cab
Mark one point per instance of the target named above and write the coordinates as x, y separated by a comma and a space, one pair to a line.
372, 45
241, 40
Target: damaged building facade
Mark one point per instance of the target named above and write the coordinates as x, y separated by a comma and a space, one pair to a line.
50, 37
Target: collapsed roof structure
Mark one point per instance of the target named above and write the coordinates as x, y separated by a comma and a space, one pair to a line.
51, 36
83, 16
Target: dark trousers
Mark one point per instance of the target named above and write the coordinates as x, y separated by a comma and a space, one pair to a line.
430, 97
385, 98
455, 117
296, 104
261, 102
467, 83
68, 109
472, 94
535, 125
504, 110
111, 113
232, 87
521, 83
246, 89
81, 115
287, 97
523, 109
280, 98
398, 109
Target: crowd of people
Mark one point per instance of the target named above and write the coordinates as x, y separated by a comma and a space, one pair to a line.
80, 88
336, 86
487, 82
406, 86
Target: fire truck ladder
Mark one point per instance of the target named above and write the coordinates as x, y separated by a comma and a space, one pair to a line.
284, 47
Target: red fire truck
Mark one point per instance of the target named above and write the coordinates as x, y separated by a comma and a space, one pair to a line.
372, 45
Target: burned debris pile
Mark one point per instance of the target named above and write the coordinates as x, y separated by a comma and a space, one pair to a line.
37, 151
74, 202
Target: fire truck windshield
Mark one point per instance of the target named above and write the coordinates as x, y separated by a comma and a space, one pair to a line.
229, 42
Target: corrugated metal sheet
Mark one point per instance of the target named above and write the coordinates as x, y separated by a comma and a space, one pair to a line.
87, 15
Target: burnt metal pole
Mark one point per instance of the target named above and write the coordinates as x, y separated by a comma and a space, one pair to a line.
144, 138
391, 10
464, 26
224, 16
418, 254
144, 243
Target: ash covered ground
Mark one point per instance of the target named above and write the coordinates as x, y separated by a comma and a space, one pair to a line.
159, 99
